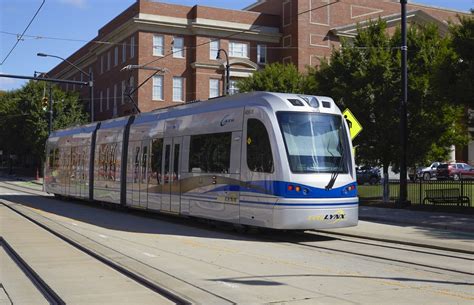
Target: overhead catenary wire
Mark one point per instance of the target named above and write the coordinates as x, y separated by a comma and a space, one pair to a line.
22, 34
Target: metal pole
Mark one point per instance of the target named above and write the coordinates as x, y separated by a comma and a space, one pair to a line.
50, 110
227, 71
403, 108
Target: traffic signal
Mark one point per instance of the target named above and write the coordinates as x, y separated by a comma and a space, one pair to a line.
44, 103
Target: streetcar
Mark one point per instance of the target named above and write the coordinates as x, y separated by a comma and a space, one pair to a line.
260, 159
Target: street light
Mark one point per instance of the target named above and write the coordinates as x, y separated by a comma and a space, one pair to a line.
227, 69
403, 108
90, 76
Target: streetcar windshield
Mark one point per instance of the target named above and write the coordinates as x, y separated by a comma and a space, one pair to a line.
314, 142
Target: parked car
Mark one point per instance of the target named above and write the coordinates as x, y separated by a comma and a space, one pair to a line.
426, 173
368, 174
455, 171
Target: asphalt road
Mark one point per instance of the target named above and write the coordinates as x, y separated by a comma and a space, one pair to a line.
216, 265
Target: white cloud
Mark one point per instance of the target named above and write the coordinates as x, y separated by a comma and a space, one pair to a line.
7, 84
75, 3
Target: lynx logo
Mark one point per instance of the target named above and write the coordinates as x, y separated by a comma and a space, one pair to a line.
333, 216
226, 120
340, 215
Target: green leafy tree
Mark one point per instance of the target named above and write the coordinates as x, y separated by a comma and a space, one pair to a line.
277, 77
364, 75
455, 76
24, 123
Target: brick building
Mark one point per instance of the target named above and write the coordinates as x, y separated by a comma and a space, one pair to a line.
183, 41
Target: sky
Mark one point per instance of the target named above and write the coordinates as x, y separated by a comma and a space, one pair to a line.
80, 20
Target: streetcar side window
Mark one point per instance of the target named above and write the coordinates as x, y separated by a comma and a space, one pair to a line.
156, 156
51, 159
210, 153
259, 150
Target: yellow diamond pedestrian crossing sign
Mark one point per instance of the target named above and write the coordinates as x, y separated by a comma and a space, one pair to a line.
354, 126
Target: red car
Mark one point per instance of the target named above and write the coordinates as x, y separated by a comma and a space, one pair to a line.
455, 171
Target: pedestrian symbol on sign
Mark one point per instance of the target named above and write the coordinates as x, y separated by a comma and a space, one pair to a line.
354, 126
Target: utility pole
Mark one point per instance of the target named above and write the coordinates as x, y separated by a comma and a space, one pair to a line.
227, 69
403, 109
50, 125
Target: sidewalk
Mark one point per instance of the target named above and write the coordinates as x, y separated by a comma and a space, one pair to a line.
437, 220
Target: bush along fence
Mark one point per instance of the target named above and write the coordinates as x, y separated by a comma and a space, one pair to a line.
432, 192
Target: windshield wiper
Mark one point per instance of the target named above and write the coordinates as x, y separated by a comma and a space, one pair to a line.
334, 174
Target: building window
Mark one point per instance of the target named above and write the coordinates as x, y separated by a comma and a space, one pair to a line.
158, 87
123, 92
286, 13
116, 56
101, 100
238, 49
233, 89
124, 52
158, 45
107, 96
91, 74
210, 153
178, 89
108, 61
214, 88
178, 47
132, 47
74, 85
214, 47
102, 64
261, 54
115, 100
259, 150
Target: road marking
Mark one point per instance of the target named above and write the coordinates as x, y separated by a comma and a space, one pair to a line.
149, 254
11, 194
74, 224
103, 236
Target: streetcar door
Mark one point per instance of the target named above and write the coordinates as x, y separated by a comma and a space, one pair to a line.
144, 174
171, 174
134, 157
155, 174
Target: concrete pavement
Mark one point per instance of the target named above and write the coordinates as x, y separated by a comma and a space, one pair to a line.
72, 274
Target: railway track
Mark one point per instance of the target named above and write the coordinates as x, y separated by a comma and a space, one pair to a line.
360, 247
47, 292
364, 250
49, 295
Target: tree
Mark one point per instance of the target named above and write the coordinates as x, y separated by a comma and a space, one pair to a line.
277, 77
364, 75
455, 75
24, 123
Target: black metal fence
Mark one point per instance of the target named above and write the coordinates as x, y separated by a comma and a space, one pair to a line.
420, 190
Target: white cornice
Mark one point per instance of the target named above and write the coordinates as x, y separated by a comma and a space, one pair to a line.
208, 27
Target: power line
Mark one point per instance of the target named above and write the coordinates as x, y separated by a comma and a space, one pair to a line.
21, 36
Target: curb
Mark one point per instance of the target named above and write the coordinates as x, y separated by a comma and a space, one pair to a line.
448, 227
395, 241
